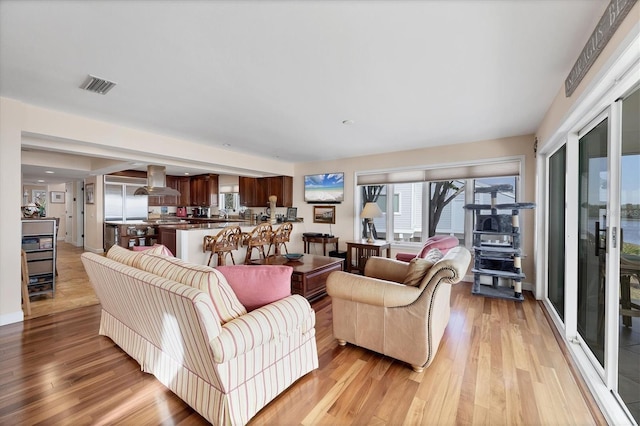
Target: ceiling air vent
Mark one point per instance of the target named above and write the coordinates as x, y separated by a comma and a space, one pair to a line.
97, 85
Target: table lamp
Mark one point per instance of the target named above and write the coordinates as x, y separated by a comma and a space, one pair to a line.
370, 211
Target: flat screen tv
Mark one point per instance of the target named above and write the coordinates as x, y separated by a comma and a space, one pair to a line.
324, 188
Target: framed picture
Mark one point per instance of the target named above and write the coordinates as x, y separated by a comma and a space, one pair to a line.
292, 213
39, 196
57, 197
324, 214
88, 193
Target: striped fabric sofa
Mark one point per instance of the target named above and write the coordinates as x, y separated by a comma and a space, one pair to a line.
183, 324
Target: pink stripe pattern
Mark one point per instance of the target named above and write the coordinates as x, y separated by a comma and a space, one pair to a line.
226, 369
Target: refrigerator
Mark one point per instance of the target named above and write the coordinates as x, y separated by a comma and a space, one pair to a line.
121, 205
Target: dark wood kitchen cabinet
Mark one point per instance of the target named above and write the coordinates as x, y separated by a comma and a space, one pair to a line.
281, 187
167, 237
204, 190
247, 191
179, 183
184, 186
255, 192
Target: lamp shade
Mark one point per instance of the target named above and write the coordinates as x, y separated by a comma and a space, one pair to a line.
370, 211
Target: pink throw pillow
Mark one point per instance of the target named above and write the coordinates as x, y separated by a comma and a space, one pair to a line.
442, 242
164, 250
258, 285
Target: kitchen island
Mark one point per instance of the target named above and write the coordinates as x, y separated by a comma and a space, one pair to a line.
133, 233
189, 241
185, 238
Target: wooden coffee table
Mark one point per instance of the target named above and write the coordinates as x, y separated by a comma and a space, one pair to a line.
310, 272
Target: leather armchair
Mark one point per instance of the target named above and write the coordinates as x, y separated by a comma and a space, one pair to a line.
376, 311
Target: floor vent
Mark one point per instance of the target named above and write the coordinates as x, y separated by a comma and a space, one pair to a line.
97, 85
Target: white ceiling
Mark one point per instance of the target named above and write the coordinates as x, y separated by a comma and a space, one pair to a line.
277, 78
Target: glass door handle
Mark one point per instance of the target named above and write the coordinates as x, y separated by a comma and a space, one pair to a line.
599, 239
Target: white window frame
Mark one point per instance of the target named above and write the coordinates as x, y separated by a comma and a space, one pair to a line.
440, 170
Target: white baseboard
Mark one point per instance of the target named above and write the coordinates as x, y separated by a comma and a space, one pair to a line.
12, 318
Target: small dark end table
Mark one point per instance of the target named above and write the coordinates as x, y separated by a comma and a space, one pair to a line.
363, 251
322, 240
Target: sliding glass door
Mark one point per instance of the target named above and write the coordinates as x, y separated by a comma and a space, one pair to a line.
556, 227
593, 247
593, 195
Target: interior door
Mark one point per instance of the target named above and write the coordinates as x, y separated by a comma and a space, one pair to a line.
593, 195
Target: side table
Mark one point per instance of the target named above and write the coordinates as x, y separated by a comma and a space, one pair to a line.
363, 251
322, 240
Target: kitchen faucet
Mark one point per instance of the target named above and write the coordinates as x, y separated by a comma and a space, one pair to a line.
223, 213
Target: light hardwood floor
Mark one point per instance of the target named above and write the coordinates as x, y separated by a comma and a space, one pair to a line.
499, 363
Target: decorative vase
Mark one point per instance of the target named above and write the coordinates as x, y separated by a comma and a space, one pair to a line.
272, 208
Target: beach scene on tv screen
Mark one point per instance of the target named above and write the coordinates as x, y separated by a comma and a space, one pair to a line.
324, 188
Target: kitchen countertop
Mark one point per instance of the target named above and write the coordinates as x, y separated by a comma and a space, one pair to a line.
188, 223
205, 225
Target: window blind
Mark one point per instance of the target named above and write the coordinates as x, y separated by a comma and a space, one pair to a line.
467, 171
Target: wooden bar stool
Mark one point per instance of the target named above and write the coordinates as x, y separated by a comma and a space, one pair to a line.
26, 303
259, 237
222, 244
280, 237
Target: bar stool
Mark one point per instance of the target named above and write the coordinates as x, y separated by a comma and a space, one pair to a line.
222, 244
280, 237
259, 237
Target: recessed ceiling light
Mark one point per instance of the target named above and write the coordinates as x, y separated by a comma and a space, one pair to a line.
348, 122
186, 173
50, 172
40, 180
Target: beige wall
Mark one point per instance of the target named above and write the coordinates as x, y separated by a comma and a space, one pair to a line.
94, 217
99, 138
21, 122
10, 226
562, 106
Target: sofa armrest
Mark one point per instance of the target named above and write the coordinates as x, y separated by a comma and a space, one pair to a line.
386, 269
371, 291
450, 269
405, 257
271, 322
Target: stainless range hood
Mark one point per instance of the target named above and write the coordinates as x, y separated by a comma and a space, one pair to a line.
156, 183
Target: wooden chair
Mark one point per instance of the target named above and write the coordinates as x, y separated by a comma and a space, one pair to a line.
26, 303
280, 237
259, 237
222, 244
629, 268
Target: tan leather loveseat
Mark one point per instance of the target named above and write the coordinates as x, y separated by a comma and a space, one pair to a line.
378, 312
